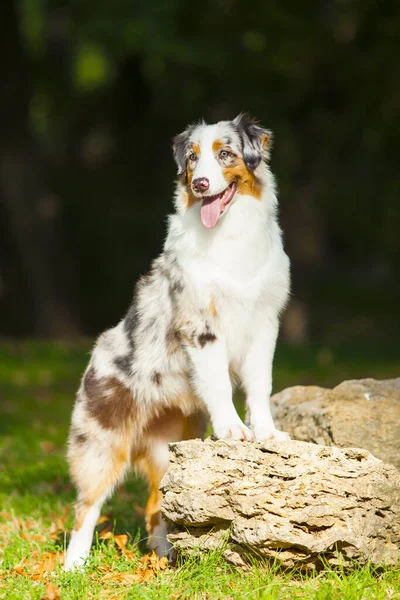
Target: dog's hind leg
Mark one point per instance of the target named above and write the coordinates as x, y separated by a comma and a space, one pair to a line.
153, 462
99, 455
97, 467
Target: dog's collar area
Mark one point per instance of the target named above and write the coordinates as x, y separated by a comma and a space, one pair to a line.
213, 206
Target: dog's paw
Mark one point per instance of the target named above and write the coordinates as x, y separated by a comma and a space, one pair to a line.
265, 433
76, 564
236, 431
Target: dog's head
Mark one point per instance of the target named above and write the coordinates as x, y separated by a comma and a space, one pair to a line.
219, 163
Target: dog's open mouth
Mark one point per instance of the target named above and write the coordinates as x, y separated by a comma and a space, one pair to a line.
213, 206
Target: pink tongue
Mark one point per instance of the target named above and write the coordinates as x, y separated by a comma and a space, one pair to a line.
210, 211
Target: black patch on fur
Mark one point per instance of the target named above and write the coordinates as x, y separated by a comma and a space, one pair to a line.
206, 337
180, 147
251, 136
132, 318
150, 324
90, 383
177, 286
156, 378
173, 340
124, 363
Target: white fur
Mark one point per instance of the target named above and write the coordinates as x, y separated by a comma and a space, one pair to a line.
81, 541
241, 266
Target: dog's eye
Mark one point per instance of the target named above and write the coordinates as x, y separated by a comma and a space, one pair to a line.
192, 157
225, 154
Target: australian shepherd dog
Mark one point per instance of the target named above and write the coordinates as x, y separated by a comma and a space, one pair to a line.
204, 319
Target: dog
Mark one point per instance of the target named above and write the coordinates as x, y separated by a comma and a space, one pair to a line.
204, 318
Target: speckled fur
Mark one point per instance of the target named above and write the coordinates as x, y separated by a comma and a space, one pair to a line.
204, 316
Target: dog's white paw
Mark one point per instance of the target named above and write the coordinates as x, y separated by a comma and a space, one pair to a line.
74, 564
266, 433
236, 431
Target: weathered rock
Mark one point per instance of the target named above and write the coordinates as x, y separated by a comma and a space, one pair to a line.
297, 503
364, 413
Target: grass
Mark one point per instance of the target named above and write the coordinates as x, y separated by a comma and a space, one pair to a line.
37, 386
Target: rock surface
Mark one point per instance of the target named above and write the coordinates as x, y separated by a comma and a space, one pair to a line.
364, 413
297, 503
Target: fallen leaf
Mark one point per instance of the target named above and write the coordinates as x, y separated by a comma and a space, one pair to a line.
120, 541
51, 593
58, 525
105, 534
6, 515
148, 567
103, 519
33, 537
122, 577
42, 564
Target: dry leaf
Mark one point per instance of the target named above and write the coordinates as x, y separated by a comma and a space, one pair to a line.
6, 515
103, 519
126, 578
105, 534
148, 567
51, 593
120, 541
58, 525
34, 538
48, 447
42, 564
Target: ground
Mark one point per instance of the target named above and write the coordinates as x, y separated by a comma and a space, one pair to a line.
37, 386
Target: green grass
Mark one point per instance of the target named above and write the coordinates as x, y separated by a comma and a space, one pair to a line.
37, 387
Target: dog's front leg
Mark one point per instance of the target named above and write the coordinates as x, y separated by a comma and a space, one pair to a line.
210, 377
257, 381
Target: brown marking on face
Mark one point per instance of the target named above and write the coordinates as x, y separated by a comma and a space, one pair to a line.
109, 401
248, 184
196, 149
217, 145
212, 309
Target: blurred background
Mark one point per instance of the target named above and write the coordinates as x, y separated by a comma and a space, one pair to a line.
91, 95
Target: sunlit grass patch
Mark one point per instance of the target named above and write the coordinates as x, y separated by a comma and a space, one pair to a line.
37, 388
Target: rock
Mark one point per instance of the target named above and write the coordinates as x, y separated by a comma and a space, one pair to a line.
297, 503
364, 413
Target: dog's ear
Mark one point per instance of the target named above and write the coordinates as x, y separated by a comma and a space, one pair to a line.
256, 141
180, 148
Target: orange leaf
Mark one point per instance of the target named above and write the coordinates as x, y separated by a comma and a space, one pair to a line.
51, 593
6, 515
106, 534
103, 519
122, 577
121, 541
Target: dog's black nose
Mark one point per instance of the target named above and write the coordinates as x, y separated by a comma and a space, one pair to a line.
201, 184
